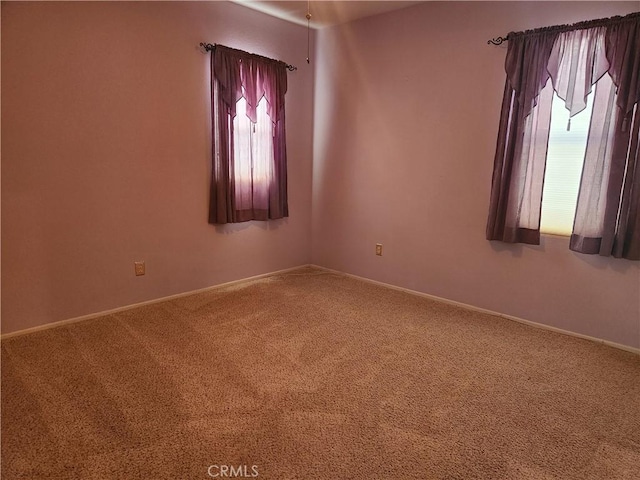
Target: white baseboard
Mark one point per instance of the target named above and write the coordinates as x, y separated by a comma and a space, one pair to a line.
91, 316
484, 310
364, 279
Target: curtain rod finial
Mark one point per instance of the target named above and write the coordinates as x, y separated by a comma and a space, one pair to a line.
498, 40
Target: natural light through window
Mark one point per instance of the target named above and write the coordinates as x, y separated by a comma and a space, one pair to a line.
565, 157
253, 150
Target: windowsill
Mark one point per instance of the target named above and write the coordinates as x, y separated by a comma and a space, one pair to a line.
557, 235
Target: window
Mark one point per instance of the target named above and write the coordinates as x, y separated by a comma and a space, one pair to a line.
565, 158
584, 181
253, 154
249, 167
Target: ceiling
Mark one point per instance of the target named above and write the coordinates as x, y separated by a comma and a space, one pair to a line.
324, 13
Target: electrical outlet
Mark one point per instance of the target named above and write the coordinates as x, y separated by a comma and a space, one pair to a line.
379, 249
139, 268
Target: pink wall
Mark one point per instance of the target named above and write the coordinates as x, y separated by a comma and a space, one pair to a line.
406, 117
106, 151
105, 160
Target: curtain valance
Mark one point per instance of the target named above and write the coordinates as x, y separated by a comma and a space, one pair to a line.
241, 74
606, 45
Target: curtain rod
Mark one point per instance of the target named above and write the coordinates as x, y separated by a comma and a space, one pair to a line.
209, 47
599, 22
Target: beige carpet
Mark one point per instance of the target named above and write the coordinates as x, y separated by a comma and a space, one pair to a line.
311, 375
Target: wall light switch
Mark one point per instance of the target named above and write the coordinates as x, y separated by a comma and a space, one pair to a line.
379, 249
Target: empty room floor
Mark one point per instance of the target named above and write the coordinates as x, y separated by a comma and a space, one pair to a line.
311, 374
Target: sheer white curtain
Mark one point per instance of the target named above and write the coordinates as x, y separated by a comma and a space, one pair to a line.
531, 167
253, 155
578, 63
592, 197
